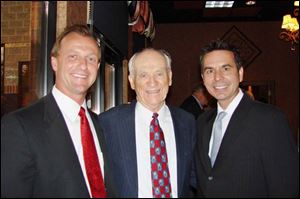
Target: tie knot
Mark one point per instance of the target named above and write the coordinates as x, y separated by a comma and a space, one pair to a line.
155, 115
81, 112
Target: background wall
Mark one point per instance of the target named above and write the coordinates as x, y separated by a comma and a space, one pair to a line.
275, 62
20, 32
15, 34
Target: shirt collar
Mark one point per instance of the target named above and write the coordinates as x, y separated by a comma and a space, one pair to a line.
233, 104
147, 114
68, 106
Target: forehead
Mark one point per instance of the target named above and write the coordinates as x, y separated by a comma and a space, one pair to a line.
77, 38
217, 55
150, 59
74, 41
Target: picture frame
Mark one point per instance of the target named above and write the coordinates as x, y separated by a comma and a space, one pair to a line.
263, 91
24, 69
248, 50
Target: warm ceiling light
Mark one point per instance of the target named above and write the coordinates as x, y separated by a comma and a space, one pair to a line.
290, 23
219, 4
250, 3
291, 28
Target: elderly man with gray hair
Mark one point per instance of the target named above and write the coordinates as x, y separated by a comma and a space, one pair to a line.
150, 143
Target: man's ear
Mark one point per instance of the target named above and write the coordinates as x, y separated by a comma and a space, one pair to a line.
54, 63
131, 81
170, 78
241, 74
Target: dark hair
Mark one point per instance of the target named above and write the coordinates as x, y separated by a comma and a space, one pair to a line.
82, 30
221, 45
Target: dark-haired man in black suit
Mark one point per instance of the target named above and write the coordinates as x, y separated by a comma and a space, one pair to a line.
250, 152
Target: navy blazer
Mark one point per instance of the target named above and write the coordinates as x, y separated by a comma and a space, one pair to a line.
38, 158
192, 106
257, 157
119, 130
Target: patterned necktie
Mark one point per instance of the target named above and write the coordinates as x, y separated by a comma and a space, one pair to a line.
161, 186
217, 133
90, 157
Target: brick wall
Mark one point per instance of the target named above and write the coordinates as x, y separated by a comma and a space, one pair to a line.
21, 34
15, 34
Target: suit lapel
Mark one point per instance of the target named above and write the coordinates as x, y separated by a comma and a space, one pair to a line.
180, 143
99, 132
58, 134
127, 142
109, 184
235, 126
207, 130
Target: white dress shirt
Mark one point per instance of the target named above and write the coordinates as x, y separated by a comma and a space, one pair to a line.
230, 109
143, 118
70, 110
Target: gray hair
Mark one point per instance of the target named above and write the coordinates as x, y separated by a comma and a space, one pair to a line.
164, 53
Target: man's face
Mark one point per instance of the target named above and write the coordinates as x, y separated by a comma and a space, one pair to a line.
221, 76
151, 79
76, 65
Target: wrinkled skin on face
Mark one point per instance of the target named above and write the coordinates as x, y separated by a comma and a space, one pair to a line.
151, 79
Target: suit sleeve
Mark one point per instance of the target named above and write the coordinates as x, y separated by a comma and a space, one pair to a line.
280, 158
17, 165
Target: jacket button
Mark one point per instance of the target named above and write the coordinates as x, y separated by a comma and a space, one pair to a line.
210, 178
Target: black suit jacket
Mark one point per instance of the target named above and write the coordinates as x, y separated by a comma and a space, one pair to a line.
257, 157
38, 158
119, 130
191, 105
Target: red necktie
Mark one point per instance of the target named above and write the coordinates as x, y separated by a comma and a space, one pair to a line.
91, 161
161, 186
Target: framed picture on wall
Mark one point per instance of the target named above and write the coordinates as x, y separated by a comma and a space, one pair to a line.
248, 49
24, 82
263, 91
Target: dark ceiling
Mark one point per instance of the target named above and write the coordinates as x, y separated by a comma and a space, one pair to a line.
194, 11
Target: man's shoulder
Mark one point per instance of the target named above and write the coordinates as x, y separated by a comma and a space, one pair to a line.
188, 101
32, 115
37, 108
179, 112
117, 111
258, 107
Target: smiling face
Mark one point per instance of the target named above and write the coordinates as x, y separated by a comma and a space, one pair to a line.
151, 79
221, 76
76, 65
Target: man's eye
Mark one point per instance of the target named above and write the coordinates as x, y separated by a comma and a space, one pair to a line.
226, 68
73, 57
208, 71
92, 60
142, 75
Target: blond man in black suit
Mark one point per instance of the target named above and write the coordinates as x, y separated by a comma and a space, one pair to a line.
41, 151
